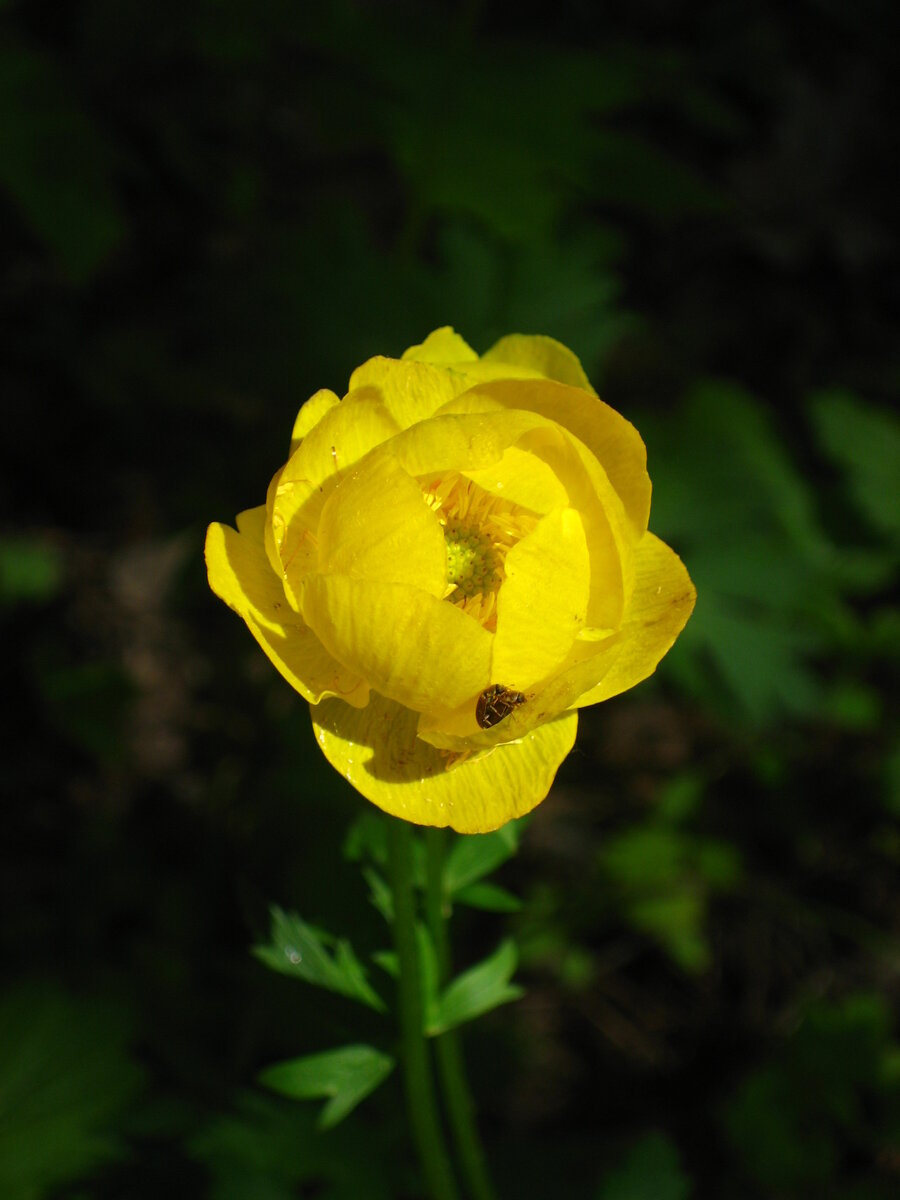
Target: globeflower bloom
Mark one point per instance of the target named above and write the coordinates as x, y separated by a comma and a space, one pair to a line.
453, 560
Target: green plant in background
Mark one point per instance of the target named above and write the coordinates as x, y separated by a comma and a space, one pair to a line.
827, 1105
67, 1079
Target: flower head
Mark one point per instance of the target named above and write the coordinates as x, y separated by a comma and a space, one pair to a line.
454, 560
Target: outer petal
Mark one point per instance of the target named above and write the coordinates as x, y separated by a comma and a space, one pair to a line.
443, 348
601, 663
543, 355
543, 601
376, 525
609, 536
417, 649
615, 441
311, 414
663, 600
463, 442
409, 390
342, 436
377, 751
240, 574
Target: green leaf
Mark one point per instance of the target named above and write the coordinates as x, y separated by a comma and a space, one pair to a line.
346, 1075
651, 1171
489, 897
366, 838
477, 854
478, 990
827, 1086
865, 442
66, 1080
380, 894
301, 950
55, 164
429, 976
268, 1148
30, 571
387, 960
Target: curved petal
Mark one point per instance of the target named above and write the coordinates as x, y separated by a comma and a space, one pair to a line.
376, 525
443, 348
463, 442
614, 441
542, 602
543, 355
409, 645
410, 391
609, 536
377, 751
522, 479
343, 435
311, 414
662, 601
240, 574
601, 663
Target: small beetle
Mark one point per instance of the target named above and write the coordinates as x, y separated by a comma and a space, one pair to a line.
495, 703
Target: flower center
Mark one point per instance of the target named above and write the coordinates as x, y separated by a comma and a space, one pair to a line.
479, 531
472, 562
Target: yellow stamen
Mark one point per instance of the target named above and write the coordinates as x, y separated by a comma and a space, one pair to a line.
479, 531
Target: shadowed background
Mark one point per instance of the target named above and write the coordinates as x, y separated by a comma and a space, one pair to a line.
207, 212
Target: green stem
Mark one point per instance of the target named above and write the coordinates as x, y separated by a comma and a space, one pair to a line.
423, 1112
451, 1066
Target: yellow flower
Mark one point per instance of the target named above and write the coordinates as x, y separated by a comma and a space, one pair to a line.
452, 562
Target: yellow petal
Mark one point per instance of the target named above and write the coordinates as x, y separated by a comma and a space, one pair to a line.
614, 441
341, 437
377, 751
410, 391
522, 479
543, 600
409, 645
240, 574
662, 601
600, 664
311, 414
609, 536
460, 441
543, 355
376, 525
442, 348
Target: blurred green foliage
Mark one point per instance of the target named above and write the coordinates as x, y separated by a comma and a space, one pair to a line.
211, 210
66, 1082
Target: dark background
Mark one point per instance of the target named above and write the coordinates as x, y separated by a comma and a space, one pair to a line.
207, 212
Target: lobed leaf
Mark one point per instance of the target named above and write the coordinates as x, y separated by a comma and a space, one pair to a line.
346, 1076
477, 991
300, 950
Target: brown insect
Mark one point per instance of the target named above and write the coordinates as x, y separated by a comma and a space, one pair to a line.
495, 703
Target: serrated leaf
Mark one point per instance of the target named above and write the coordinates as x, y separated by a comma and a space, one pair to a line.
475, 855
300, 950
489, 897
346, 1075
478, 990
380, 894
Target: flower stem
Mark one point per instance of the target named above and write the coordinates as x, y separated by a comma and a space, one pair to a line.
451, 1066
423, 1112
